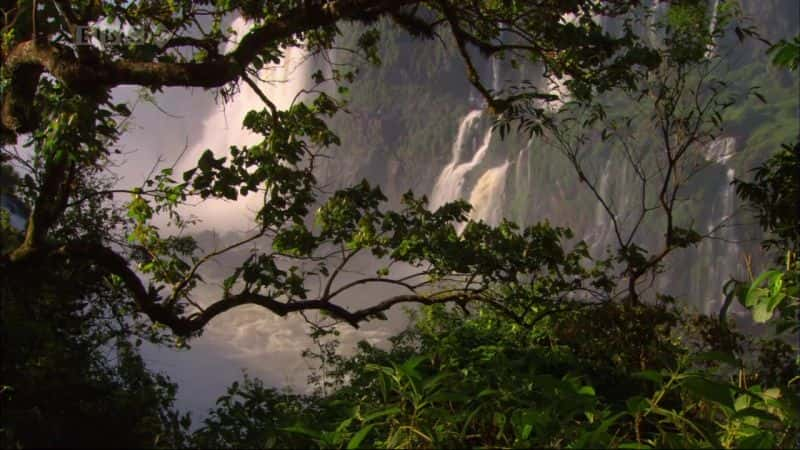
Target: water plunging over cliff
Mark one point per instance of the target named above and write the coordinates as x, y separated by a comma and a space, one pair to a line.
720, 255
487, 197
223, 128
450, 182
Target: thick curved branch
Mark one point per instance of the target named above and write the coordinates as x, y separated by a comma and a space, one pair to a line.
26, 62
163, 312
146, 299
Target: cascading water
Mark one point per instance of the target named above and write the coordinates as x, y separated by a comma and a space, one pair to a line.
496, 81
522, 171
451, 180
601, 224
223, 128
717, 254
712, 28
721, 150
488, 195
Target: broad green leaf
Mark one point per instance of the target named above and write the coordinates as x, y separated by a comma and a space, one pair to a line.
742, 402
586, 390
756, 292
650, 375
355, 441
710, 390
300, 429
764, 439
755, 412
386, 412
716, 356
761, 312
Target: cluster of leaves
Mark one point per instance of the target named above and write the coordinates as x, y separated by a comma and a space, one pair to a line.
774, 194
786, 53
453, 380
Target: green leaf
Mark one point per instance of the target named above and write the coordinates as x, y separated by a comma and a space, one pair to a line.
636, 404
650, 375
710, 390
717, 356
761, 313
764, 439
386, 412
755, 292
412, 363
486, 392
742, 402
755, 412
355, 441
300, 429
586, 390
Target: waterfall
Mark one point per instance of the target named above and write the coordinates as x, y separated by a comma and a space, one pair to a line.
717, 254
450, 182
223, 128
489, 192
521, 170
728, 198
601, 222
712, 28
721, 150
496, 82
488, 195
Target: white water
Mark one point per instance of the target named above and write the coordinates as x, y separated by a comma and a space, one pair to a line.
223, 128
602, 223
496, 81
522, 172
450, 183
488, 195
712, 28
721, 150
718, 254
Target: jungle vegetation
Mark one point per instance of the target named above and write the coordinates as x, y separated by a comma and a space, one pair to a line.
519, 337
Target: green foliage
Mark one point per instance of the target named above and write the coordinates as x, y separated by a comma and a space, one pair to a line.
71, 365
774, 195
453, 380
251, 415
547, 358
786, 53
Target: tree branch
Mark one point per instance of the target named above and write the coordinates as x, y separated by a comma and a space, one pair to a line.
26, 62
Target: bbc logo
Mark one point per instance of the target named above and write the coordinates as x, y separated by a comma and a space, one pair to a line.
108, 37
